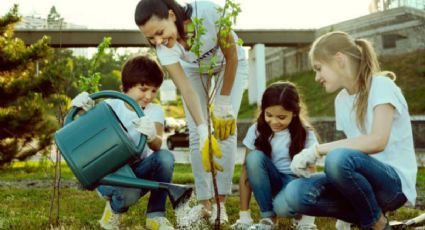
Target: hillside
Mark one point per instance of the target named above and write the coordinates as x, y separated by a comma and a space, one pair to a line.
409, 68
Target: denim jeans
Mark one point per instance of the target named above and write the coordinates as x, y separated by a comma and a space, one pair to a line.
159, 166
354, 187
265, 180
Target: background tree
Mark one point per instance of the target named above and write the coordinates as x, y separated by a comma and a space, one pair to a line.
27, 95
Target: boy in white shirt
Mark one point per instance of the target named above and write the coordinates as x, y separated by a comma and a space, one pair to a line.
141, 79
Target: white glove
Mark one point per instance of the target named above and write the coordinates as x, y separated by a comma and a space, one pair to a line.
223, 117
303, 160
146, 126
83, 100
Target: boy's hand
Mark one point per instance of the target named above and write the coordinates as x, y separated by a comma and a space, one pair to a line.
302, 161
204, 149
83, 101
146, 126
223, 117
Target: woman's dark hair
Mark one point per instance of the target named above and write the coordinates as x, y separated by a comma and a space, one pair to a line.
143, 70
286, 95
146, 9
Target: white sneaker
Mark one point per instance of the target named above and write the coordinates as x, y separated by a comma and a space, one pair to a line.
158, 223
342, 225
264, 224
109, 220
304, 223
223, 214
242, 224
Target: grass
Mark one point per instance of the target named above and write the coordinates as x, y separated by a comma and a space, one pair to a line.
28, 208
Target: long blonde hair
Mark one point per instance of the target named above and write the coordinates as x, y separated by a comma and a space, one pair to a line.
363, 63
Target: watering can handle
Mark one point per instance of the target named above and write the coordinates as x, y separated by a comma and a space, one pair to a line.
112, 94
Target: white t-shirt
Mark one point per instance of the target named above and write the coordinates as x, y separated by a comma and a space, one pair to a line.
153, 111
399, 152
208, 11
280, 146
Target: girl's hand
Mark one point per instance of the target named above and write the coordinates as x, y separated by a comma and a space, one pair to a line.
303, 161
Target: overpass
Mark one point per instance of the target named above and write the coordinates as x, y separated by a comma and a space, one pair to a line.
133, 38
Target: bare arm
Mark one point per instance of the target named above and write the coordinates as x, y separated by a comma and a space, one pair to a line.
370, 143
231, 55
190, 97
156, 143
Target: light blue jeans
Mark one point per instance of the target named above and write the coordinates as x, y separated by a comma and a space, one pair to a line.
354, 187
265, 180
159, 166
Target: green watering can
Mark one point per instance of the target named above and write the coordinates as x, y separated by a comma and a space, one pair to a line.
97, 149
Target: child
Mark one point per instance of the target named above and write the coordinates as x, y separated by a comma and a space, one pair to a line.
281, 131
141, 79
371, 172
164, 23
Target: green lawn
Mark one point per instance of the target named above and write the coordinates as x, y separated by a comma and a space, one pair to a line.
28, 208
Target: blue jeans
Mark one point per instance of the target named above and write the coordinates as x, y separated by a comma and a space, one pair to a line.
159, 166
265, 180
354, 187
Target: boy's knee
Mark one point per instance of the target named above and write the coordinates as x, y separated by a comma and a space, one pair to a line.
165, 158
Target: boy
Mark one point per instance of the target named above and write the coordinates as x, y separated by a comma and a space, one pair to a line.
141, 78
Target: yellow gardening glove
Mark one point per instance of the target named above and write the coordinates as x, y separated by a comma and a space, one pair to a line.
204, 149
223, 117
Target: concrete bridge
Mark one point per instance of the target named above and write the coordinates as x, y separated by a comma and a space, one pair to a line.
133, 38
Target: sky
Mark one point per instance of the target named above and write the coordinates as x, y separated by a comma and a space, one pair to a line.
256, 14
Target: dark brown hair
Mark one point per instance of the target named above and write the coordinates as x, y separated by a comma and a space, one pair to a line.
142, 70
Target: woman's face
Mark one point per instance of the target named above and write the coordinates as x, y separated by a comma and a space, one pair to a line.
161, 31
277, 117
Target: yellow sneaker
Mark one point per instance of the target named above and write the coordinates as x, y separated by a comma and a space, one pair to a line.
158, 223
109, 220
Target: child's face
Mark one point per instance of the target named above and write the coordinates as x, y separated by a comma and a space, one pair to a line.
327, 76
143, 94
160, 31
277, 117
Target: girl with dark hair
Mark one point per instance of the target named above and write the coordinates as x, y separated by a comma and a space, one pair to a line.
280, 132
166, 25
374, 169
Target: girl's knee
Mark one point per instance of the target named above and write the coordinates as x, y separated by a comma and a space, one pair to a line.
254, 159
336, 161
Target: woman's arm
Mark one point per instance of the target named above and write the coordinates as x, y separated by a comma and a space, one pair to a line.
156, 143
370, 143
189, 95
230, 52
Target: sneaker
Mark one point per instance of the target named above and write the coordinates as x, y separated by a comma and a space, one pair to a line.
342, 225
304, 223
264, 224
306, 227
223, 214
242, 224
109, 220
158, 223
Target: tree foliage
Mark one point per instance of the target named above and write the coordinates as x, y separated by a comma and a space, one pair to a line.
27, 95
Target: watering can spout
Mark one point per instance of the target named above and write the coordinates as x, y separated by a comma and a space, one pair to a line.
178, 194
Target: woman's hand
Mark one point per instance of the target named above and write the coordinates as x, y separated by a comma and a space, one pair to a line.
223, 117
204, 149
